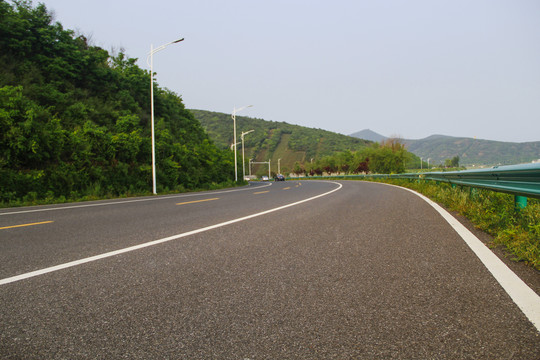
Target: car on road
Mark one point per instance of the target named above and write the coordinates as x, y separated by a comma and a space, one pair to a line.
264, 178
279, 177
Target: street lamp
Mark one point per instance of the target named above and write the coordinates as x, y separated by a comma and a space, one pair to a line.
235, 110
243, 161
278, 166
150, 61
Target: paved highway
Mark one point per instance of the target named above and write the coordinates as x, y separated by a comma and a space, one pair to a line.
291, 270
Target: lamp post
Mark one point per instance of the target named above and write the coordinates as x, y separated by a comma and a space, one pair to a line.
278, 166
150, 61
235, 110
243, 161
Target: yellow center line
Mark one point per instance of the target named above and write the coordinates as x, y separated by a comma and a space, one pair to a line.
23, 225
287, 188
196, 201
261, 192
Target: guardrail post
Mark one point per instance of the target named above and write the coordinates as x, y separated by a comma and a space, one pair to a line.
520, 202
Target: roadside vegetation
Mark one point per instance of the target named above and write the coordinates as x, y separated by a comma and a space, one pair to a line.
389, 157
75, 120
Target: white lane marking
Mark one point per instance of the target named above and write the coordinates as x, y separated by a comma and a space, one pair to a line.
131, 201
522, 295
156, 242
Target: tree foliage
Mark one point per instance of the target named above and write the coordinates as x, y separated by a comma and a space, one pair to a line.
453, 162
75, 121
386, 158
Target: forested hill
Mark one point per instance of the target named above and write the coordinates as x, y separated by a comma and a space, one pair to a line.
75, 121
474, 151
276, 140
471, 152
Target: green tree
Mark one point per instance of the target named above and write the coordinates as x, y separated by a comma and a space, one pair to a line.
453, 162
74, 121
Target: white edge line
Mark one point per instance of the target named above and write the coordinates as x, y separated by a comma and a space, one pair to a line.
522, 295
246, 188
155, 242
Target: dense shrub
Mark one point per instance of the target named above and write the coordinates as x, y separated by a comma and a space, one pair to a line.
75, 121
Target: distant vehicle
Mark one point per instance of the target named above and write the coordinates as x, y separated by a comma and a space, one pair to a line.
279, 177
264, 178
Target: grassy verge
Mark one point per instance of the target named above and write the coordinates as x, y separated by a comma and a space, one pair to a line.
516, 230
97, 193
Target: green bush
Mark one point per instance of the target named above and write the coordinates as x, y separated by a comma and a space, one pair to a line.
75, 122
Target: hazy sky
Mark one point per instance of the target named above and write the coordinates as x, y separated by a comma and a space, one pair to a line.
411, 68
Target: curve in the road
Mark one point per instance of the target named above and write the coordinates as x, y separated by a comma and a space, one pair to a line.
156, 242
524, 297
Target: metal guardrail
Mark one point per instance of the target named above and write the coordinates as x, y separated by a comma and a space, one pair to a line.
522, 181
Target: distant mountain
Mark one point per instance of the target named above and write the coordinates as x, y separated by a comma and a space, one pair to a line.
367, 134
474, 151
471, 151
275, 140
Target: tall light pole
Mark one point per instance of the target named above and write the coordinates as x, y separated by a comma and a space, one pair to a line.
278, 166
235, 110
243, 161
150, 61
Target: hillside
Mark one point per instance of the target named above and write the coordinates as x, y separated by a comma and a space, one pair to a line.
75, 121
439, 148
474, 151
276, 140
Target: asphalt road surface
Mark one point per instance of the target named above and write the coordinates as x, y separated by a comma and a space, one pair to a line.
288, 270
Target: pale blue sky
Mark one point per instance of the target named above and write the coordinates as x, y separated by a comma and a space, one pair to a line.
410, 68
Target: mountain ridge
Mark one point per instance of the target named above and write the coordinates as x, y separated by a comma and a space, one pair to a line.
472, 152
368, 134
279, 142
